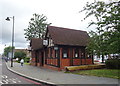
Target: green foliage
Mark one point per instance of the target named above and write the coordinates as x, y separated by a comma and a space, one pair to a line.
20, 55
113, 64
106, 39
37, 27
27, 59
7, 50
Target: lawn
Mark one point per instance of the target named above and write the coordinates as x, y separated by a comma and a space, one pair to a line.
27, 63
111, 73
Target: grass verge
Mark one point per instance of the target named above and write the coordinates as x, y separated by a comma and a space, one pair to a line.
110, 73
27, 63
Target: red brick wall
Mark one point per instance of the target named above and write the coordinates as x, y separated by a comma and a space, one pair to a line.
60, 57
52, 62
33, 58
89, 61
65, 62
83, 61
38, 64
76, 62
52, 67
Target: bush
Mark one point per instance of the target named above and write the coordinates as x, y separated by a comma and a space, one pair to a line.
113, 64
27, 59
20, 55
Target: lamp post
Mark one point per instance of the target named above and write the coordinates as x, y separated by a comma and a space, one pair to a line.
8, 19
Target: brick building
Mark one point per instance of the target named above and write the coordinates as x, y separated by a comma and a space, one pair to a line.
61, 47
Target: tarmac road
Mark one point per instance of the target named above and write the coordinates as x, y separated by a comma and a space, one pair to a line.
10, 78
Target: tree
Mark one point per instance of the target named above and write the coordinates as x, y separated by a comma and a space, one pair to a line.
20, 55
7, 50
37, 27
92, 45
108, 25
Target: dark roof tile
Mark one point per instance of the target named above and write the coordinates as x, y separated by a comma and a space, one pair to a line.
36, 43
65, 36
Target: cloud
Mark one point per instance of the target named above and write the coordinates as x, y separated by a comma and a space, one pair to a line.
63, 13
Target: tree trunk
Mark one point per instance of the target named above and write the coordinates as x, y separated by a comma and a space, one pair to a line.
109, 56
102, 58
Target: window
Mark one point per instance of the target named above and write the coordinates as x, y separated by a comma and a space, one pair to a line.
76, 53
89, 56
56, 53
82, 55
65, 53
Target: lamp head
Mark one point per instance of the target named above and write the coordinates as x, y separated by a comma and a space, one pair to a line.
8, 19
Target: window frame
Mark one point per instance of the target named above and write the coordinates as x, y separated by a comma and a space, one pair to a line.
65, 51
57, 53
76, 51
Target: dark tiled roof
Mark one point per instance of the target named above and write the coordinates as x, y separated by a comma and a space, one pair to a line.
65, 36
36, 43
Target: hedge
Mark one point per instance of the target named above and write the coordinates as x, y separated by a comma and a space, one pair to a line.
113, 64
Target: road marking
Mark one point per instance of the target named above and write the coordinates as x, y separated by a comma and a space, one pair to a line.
13, 80
4, 76
6, 80
1, 82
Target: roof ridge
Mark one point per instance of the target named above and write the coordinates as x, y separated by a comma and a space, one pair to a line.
67, 28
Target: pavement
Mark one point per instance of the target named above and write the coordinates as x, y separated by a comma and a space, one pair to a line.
57, 77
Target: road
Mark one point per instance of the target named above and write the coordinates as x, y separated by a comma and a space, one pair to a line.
10, 78
0, 69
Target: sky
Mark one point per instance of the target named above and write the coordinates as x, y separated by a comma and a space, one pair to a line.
61, 13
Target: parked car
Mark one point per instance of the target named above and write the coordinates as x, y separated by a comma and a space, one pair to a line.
96, 60
99, 60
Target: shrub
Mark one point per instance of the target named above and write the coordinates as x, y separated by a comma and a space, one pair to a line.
20, 55
27, 59
113, 64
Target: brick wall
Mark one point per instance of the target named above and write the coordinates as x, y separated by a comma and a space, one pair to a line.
52, 67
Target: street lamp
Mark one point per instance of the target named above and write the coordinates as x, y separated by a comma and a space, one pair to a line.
8, 19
